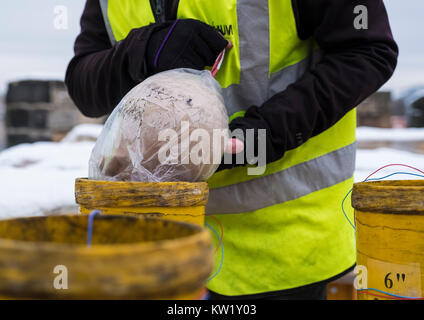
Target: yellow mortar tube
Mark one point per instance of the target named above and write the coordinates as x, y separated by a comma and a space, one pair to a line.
178, 201
390, 236
130, 258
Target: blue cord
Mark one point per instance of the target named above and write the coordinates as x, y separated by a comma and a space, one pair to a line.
389, 294
90, 226
392, 174
353, 226
222, 252
375, 179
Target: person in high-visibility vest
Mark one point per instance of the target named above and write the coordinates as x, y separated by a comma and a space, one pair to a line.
296, 68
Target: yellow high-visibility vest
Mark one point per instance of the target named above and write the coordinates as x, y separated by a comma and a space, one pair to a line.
284, 228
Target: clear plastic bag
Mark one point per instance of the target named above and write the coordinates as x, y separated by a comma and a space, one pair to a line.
158, 131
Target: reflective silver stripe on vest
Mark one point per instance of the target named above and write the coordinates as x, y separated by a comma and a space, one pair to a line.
255, 85
290, 184
104, 6
242, 96
254, 57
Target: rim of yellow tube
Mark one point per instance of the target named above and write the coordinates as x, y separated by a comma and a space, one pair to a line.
390, 196
199, 234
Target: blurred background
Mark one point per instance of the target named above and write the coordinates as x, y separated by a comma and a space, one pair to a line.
46, 142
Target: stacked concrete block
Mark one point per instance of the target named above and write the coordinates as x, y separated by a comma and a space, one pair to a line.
376, 111
2, 126
40, 111
416, 113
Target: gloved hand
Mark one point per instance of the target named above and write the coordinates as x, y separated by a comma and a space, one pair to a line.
183, 43
252, 120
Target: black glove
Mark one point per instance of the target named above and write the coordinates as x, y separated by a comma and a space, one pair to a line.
253, 120
183, 43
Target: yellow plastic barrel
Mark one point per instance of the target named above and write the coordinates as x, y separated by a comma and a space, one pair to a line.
390, 238
130, 258
180, 201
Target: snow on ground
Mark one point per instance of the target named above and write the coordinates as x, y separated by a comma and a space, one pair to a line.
38, 178
367, 161
83, 132
381, 134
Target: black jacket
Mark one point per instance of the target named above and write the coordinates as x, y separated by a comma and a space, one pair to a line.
356, 63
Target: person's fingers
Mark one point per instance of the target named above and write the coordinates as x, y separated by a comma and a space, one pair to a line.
234, 146
192, 61
213, 38
229, 45
201, 48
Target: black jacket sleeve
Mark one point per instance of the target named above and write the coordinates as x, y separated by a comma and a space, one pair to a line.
355, 64
100, 74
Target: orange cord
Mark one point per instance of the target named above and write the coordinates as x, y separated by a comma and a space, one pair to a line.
222, 232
